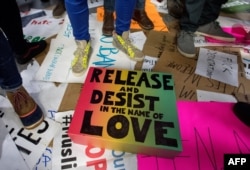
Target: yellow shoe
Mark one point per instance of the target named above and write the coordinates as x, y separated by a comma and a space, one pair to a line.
123, 43
82, 54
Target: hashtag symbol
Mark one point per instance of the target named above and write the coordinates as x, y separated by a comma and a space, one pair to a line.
67, 119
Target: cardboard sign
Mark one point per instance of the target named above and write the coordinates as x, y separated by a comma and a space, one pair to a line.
131, 111
163, 46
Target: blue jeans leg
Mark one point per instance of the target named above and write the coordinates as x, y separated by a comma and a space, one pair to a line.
10, 77
140, 4
109, 5
124, 12
78, 13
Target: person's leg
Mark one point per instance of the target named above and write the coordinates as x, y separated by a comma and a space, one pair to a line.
208, 25
109, 5
192, 14
10, 77
124, 12
78, 13
59, 9
141, 16
108, 18
12, 25
10, 80
189, 22
211, 11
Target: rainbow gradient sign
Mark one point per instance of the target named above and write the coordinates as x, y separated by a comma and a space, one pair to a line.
131, 111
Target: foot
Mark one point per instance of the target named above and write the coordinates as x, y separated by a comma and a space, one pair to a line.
33, 49
59, 9
82, 54
108, 23
28, 111
143, 20
214, 31
123, 43
175, 8
185, 44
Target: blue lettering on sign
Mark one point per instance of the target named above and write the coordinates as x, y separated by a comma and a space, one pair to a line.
105, 53
68, 31
118, 162
53, 63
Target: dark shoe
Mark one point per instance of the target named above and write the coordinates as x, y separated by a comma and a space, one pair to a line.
214, 30
141, 17
108, 23
28, 111
241, 110
171, 22
185, 44
175, 8
34, 49
81, 59
59, 10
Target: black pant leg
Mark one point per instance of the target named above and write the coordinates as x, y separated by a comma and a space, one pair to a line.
11, 24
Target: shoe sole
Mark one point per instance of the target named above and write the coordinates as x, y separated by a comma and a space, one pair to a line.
216, 37
79, 74
186, 54
107, 34
35, 124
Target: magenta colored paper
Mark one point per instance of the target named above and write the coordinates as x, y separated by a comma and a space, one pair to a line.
237, 31
208, 131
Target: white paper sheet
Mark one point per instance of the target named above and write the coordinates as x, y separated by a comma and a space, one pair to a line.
31, 143
213, 96
149, 63
45, 161
10, 157
218, 66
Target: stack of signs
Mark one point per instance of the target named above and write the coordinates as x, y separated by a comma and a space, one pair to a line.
131, 111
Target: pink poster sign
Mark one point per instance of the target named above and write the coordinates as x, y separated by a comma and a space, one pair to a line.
208, 131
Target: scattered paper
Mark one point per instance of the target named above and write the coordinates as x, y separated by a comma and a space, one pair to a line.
42, 28
161, 6
213, 96
45, 161
94, 3
31, 143
10, 157
218, 66
149, 63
